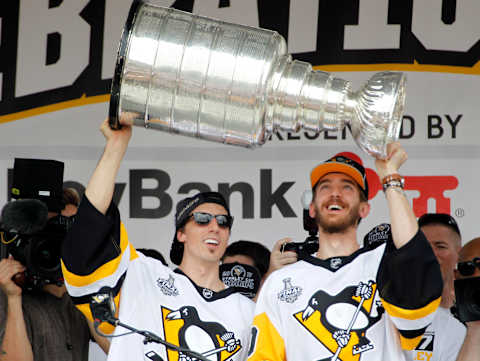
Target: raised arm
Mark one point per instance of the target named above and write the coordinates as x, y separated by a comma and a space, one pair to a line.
96, 251
411, 305
101, 185
403, 221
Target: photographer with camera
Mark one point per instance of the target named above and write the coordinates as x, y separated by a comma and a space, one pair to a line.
347, 302
38, 320
286, 251
467, 291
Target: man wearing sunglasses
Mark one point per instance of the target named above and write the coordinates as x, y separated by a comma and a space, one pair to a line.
444, 336
189, 307
469, 260
469, 266
346, 302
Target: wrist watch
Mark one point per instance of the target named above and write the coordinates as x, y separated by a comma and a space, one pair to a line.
393, 180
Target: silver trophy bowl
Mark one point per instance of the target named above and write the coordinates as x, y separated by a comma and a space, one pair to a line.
195, 76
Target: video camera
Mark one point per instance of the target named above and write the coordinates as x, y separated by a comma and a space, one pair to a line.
467, 299
26, 230
310, 245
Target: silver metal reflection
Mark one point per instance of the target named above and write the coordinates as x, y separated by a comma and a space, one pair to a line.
229, 83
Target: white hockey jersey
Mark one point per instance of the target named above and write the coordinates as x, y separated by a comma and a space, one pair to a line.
151, 296
442, 339
364, 307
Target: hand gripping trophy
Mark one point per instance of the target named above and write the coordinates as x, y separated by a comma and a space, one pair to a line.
228, 83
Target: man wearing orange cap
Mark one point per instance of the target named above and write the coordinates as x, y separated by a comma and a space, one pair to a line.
331, 305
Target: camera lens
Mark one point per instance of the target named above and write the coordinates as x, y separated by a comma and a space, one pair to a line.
46, 255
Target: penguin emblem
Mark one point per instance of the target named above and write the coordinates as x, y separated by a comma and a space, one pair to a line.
210, 339
238, 271
340, 322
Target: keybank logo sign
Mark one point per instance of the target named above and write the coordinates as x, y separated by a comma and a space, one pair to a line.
270, 195
429, 187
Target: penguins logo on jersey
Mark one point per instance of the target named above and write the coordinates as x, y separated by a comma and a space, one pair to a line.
183, 327
341, 322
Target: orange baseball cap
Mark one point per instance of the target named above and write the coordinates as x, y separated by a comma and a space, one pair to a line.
341, 164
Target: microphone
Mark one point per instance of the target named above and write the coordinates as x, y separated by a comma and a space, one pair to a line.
102, 307
24, 216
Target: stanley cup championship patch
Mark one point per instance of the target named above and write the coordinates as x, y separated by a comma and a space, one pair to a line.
167, 286
185, 328
244, 278
341, 322
289, 293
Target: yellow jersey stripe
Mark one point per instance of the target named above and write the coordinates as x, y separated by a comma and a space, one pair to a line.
409, 343
104, 270
415, 314
269, 345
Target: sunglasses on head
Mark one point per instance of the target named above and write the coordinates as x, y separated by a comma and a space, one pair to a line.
202, 218
468, 268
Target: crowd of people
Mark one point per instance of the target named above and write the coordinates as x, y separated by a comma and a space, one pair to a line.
401, 298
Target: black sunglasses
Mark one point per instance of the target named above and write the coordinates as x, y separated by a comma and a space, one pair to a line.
468, 268
202, 218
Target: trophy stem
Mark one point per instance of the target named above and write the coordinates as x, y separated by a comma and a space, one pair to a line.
301, 98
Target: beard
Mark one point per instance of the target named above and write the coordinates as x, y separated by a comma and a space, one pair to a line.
339, 225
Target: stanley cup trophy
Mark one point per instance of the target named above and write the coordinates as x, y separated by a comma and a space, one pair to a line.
228, 83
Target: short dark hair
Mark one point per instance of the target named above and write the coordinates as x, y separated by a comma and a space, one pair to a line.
255, 250
71, 196
439, 218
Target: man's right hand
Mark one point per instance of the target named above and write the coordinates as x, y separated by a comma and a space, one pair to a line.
9, 268
278, 259
100, 188
122, 134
